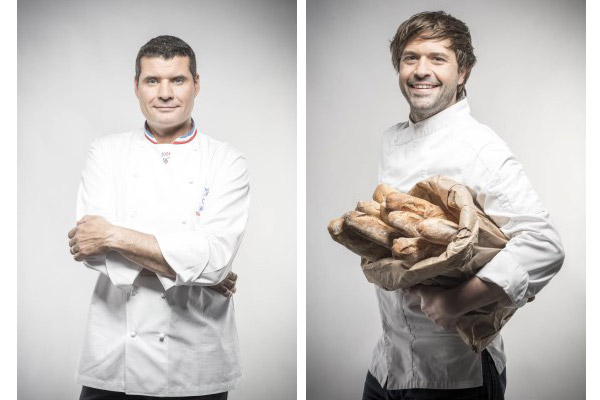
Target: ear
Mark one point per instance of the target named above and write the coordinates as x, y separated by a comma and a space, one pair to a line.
462, 76
135, 87
196, 85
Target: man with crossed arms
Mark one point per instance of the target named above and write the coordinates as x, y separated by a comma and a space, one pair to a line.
161, 213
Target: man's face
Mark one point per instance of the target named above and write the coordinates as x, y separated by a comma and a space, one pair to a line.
166, 90
429, 77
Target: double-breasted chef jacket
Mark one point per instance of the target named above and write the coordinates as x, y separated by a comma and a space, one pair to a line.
149, 334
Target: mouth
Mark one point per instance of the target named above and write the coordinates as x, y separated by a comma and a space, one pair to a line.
165, 108
422, 88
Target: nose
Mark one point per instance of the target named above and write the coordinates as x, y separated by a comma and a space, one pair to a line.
422, 68
165, 92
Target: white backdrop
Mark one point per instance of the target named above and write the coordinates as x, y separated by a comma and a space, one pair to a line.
529, 86
75, 83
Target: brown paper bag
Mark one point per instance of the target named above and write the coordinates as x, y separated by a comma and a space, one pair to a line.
477, 242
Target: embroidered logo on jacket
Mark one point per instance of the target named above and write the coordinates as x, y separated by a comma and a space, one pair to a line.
165, 156
201, 208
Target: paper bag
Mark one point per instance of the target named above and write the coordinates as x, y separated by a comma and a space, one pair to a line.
478, 240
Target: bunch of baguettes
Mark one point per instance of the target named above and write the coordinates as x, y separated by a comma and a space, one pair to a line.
394, 224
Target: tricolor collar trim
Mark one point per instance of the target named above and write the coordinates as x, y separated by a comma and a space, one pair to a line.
188, 137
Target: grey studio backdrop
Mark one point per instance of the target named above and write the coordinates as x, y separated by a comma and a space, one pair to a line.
529, 86
75, 83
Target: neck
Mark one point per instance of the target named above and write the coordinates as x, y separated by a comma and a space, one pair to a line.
168, 134
420, 115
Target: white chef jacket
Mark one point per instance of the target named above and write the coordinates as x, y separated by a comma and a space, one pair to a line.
413, 352
156, 336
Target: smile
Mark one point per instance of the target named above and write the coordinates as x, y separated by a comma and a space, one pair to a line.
423, 86
165, 108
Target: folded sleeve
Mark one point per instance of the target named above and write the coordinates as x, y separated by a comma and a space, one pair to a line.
534, 252
96, 196
204, 255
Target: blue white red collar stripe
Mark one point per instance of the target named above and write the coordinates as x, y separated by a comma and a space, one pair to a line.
188, 137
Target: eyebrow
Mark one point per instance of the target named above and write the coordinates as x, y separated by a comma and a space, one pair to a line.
147, 78
434, 54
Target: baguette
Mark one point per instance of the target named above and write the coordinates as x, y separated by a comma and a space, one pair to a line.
371, 228
404, 202
354, 242
369, 207
414, 250
381, 191
437, 230
406, 222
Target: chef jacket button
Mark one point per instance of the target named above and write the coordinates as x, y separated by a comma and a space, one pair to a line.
132, 333
161, 337
191, 181
163, 295
135, 175
132, 214
184, 221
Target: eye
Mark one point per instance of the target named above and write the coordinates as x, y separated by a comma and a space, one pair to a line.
439, 59
179, 80
409, 57
151, 81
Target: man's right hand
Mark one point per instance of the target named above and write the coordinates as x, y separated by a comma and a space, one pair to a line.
227, 287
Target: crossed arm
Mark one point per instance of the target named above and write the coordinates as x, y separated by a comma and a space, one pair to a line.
93, 235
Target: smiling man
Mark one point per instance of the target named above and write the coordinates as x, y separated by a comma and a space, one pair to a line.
161, 213
420, 354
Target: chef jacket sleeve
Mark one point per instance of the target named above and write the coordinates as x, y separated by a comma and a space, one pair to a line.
96, 196
204, 256
534, 252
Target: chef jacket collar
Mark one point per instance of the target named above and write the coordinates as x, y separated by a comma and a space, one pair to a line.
186, 138
442, 119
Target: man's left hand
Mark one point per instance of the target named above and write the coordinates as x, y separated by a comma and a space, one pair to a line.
227, 286
437, 305
89, 237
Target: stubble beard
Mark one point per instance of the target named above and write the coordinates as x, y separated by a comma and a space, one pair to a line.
423, 107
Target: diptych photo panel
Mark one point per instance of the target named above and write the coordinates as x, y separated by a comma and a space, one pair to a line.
159, 137
444, 156
301, 199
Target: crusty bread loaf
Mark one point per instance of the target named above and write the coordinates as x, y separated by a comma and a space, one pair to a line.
369, 207
354, 242
371, 228
383, 212
437, 230
406, 222
414, 250
381, 191
403, 202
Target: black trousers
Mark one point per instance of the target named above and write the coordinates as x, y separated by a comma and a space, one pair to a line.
494, 385
88, 393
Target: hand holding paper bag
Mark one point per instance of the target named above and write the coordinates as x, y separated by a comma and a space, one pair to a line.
438, 236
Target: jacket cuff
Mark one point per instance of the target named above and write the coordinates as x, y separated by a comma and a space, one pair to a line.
187, 253
504, 271
97, 263
121, 271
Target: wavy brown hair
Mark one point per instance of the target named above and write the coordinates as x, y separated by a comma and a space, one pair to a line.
437, 25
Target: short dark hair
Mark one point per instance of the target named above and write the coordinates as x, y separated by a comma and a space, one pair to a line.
437, 25
167, 47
